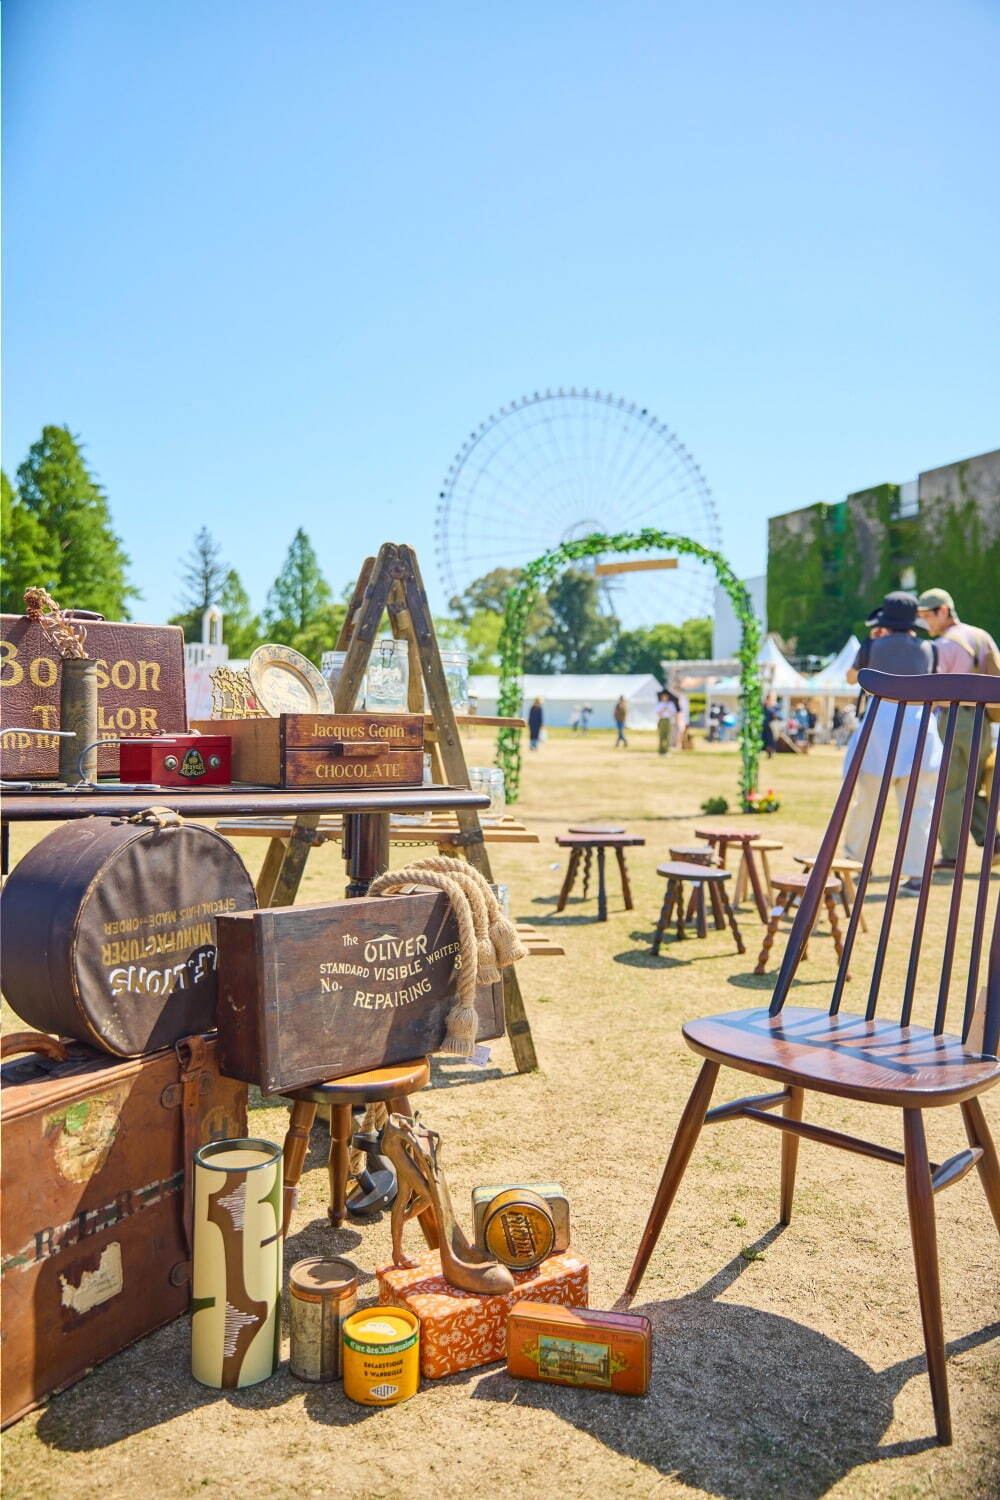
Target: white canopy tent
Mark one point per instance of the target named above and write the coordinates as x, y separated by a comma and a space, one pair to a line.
780, 677
561, 692
833, 678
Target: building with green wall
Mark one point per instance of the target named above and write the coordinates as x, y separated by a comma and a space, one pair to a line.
828, 565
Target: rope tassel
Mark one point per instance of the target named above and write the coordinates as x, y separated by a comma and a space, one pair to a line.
486, 940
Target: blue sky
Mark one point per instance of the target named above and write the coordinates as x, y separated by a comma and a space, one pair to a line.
274, 263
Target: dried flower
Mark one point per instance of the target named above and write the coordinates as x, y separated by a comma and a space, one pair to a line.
66, 636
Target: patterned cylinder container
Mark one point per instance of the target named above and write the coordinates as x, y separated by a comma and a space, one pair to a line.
236, 1280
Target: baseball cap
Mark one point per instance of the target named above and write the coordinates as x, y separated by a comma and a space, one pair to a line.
936, 599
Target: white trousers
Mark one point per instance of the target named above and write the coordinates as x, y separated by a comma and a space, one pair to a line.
862, 815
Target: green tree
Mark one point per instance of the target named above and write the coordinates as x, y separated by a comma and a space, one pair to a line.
578, 628
480, 608
241, 628
27, 555
300, 610
642, 650
203, 575
72, 538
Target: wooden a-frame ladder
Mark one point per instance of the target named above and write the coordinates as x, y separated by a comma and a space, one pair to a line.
391, 583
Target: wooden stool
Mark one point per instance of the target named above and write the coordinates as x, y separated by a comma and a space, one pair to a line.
788, 892
763, 847
583, 845
845, 869
699, 876
382, 1085
720, 839
598, 830
700, 854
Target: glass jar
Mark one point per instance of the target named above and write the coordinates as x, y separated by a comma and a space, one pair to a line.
456, 675
387, 677
332, 665
490, 779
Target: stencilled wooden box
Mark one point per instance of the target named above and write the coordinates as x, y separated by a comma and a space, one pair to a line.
328, 751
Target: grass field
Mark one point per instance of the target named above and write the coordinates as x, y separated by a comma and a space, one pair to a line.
787, 1362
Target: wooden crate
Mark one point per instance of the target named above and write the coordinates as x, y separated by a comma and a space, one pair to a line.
328, 751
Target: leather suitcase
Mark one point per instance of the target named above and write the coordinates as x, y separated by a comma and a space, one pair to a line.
94, 1240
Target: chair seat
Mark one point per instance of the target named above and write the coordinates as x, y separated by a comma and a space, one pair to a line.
679, 870
845, 1055
368, 1088
798, 883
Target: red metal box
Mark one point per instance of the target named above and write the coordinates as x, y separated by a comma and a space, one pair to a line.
94, 1249
178, 760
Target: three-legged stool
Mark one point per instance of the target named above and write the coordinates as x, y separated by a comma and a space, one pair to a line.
745, 840
583, 846
598, 830
845, 870
391, 1086
700, 854
761, 848
699, 876
788, 891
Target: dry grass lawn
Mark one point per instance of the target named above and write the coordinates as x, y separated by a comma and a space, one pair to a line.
787, 1362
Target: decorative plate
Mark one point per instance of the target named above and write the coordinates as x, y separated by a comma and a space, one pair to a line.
286, 683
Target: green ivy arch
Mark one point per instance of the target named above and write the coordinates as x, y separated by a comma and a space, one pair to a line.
540, 573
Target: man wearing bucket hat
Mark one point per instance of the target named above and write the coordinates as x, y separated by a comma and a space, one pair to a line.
893, 647
961, 648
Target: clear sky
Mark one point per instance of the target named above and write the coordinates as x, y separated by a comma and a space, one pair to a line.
274, 262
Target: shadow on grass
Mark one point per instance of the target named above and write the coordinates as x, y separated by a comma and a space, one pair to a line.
742, 1403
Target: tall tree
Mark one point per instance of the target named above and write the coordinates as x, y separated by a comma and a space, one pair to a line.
642, 650
203, 576
86, 564
241, 628
27, 554
579, 629
300, 610
480, 609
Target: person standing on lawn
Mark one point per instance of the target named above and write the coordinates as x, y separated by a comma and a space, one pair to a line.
961, 648
620, 715
535, 721
893, 646
666, 718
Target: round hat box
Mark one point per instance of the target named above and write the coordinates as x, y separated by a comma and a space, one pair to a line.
108, 931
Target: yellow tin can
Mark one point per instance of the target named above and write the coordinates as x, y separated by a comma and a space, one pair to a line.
381, 1356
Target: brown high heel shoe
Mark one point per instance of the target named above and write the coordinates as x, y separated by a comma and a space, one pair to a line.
415, 1153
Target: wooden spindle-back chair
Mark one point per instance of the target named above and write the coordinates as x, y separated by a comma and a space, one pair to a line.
880, 1056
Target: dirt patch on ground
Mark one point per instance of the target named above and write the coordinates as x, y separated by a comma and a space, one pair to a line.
787, 1362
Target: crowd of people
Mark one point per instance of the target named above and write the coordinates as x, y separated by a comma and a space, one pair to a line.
895, 644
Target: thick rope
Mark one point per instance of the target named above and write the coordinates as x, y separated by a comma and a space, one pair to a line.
507, 945
460, 1034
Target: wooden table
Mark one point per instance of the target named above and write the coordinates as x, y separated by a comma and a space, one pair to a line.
720, 839
586, 844
364, 813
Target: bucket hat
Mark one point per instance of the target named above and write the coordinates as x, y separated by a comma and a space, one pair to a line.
898, 611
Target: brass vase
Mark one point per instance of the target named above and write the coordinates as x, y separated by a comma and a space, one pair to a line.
78, 713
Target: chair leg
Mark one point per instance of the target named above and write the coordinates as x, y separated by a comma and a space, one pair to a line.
717, 911
623, 872
792, 1110
978, 1133
731, 918
338, 1162
300, 1122
567, 885
664, 920
602, 889
699, 911
920, 1203
588, 855
777, 912
755, 883
838, 941
680, 1154
680, 911
848, 897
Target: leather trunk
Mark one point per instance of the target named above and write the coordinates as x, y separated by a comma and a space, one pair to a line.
94, 1243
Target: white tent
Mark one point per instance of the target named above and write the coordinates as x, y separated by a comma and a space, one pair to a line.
833, 679
777, 671
562, 692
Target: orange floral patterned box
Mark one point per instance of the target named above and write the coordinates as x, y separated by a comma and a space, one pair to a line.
459, 1330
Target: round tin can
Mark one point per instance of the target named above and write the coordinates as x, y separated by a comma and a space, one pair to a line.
518, 1228
381, 1356
322, 1296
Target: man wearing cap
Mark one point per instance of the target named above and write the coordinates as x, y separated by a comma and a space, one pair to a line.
960, 648
893, 647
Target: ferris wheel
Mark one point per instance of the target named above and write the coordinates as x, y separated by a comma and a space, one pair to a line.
560, 464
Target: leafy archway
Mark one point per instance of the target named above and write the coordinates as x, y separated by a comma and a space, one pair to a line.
540, 573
